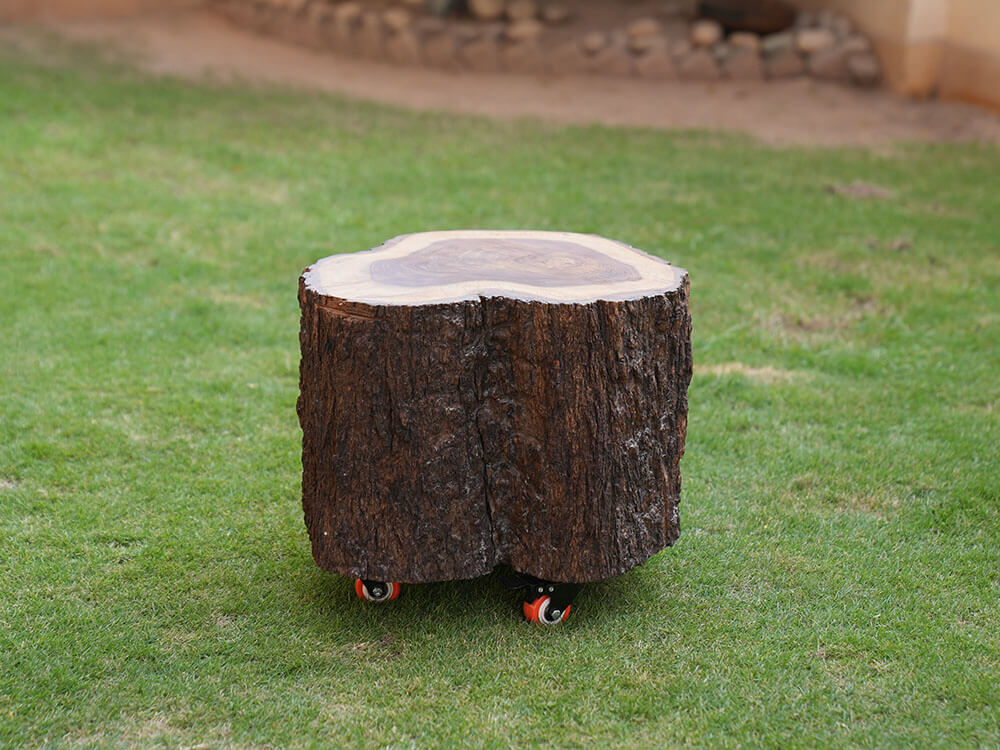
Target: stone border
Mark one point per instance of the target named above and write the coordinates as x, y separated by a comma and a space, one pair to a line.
521, 36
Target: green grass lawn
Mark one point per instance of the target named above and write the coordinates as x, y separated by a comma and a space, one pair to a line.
837, 579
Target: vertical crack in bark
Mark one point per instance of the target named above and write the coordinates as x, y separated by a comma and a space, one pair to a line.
486, 490
481, 372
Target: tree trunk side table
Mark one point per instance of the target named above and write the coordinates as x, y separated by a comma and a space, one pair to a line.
476, 398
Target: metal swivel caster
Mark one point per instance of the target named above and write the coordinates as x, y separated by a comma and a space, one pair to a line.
376, 591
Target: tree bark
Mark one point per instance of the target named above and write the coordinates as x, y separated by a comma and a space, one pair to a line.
477, 398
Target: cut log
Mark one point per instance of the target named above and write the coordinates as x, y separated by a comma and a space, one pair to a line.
475, 398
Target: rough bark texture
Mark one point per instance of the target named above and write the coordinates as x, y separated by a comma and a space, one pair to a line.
440, 440
583, 417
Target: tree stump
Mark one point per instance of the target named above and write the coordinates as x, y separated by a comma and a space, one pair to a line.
474, 398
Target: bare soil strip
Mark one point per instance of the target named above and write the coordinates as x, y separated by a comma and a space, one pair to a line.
796, 112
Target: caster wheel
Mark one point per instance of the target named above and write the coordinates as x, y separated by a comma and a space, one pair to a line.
541, 611
545, 602
376, 591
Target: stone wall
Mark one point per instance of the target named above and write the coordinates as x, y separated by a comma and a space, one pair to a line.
31, 10
923, 47
525, 36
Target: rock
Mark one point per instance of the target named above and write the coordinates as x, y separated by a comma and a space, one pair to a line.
568, 58
745, 40
676, 29
644, 34
523, 57
806, 19
864, 68
721, 52
841, 26
297, 31
774, 44
522, 10
593, 42
464, 32
808, 41
430, 25
347, 14
262, 19
826, 18
680, 48
403, 48
705, 32
316, 35
443, 7
397, 19
483, 54
784, 64
440, 51
370, 36
644, 27
522, 31
555, 14
238, 13
856, 43
699, 65
640, 44
657, 63
613, 60
745, 65
486, 10
829, 64
674, 9
343, 36
319, 15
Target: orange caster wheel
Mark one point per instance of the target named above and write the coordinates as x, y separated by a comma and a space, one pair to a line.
376, 591
545, 602
541, 611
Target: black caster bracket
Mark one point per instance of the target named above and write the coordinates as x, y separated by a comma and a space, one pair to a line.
545, 602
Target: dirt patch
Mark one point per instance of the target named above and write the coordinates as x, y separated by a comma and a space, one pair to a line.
196, 44
860, 190
768, 374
